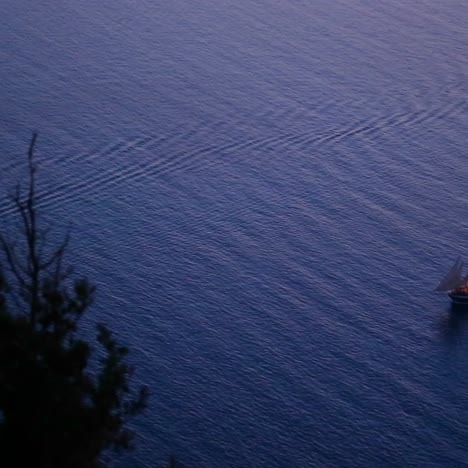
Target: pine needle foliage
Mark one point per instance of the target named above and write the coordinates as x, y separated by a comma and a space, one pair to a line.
55, 411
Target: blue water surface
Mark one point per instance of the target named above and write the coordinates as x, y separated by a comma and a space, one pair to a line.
265, 193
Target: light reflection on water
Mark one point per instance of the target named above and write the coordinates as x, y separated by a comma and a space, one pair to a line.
266, 194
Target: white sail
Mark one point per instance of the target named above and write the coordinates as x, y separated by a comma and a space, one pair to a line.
454, 278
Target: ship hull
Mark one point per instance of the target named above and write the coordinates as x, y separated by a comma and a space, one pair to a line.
461, 299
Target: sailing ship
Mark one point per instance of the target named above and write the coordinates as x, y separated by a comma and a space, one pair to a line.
455, 283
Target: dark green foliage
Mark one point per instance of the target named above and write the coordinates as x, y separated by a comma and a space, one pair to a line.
55, 412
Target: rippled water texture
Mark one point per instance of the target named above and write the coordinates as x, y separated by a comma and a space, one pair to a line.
266, 193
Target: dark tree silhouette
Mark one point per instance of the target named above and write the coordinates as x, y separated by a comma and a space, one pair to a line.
54, 410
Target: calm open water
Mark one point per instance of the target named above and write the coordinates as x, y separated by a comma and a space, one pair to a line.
266, 193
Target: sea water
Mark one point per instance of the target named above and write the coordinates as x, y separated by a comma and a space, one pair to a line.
265, 194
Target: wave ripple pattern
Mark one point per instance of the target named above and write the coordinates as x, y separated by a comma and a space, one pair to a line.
266, 194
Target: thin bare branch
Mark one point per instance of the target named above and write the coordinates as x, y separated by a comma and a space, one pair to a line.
20, 206
56, 257
13, 263
32, 172
28, 213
